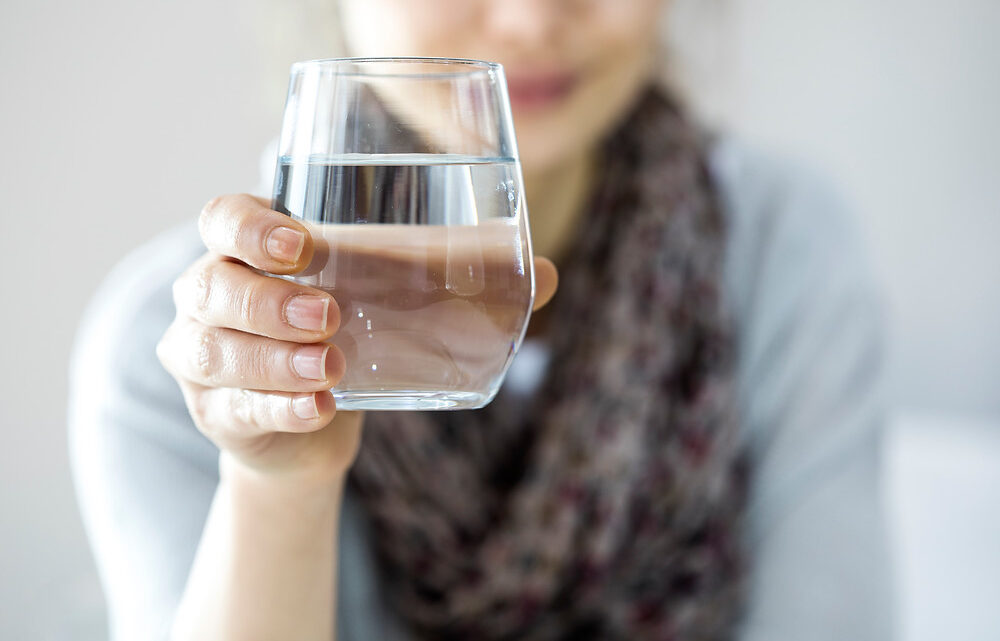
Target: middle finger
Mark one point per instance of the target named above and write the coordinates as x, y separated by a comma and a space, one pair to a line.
222, 293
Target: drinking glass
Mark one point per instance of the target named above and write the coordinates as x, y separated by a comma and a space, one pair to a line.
405, 171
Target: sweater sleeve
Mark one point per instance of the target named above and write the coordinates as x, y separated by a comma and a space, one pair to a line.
813, 406
144, 475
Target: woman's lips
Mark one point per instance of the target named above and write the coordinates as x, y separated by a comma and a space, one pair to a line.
533, 90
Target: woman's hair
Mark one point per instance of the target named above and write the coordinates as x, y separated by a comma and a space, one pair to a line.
695, 40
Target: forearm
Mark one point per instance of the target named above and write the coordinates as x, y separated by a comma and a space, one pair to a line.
265, 568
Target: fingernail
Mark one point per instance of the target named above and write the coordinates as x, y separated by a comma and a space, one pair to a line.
310, 362
307, 312
284, 244
305, 407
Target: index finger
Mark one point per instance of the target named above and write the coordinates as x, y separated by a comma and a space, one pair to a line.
245, 227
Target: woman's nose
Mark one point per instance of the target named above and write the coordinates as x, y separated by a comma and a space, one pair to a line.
525, 22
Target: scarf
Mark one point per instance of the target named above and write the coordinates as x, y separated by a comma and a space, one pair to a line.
610, 505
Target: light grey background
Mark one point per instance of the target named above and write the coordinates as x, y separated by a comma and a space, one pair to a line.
119, 119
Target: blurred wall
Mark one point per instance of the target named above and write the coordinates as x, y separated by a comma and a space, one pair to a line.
899, 100
119, 119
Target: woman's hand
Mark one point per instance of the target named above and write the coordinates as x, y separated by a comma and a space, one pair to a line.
248, 350
249, 354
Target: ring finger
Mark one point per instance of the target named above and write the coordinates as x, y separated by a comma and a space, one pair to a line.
220, 357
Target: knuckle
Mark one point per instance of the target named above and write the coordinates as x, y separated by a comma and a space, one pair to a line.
212, 205
210, 209
206, 354
198, 408
166, 348
282, 414
197, 401
204, 281
246, 230
251, 303
222, 221
234, 225
257, 361
242, 407
207, 217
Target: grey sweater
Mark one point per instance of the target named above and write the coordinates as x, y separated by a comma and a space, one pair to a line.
811, 401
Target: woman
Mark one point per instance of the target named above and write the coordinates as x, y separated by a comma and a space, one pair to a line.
685, 449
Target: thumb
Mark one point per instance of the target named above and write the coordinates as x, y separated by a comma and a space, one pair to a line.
546, 281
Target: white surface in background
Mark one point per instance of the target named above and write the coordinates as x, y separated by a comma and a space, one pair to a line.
943, 480
121, 118
898, 100
117, 119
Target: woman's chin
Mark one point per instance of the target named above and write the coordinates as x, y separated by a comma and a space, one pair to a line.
542, 160
553, 132
544, 146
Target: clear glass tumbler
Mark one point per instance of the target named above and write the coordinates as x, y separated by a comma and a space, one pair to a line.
406, 172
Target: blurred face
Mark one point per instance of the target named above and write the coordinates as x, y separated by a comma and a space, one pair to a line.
573, 66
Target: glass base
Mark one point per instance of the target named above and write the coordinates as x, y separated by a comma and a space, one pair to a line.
409, 400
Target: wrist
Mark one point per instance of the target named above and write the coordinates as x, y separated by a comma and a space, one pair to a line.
300, 487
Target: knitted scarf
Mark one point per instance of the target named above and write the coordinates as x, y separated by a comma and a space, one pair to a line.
610, 505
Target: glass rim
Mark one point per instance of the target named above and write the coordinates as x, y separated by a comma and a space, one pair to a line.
451, 67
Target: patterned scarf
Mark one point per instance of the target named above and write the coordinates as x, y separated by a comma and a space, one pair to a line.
610, 506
